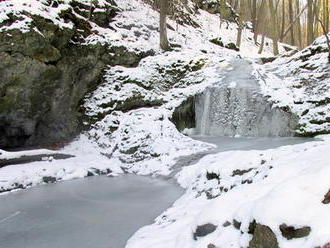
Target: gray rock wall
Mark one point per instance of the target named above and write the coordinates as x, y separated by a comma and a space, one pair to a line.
43, 78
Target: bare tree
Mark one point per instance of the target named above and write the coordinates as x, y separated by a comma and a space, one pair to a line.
310, 22
326, 36
283, 21
326, 16
298, 24
297, 18
164, 44
253, 6
292, 40
240, 26
274, 27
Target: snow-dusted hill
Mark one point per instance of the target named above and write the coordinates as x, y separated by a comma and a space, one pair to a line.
114, 110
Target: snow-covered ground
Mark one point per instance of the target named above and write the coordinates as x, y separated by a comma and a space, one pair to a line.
301, 83
132, 131
279, 186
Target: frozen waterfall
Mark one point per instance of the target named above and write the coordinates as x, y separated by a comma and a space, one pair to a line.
235, 107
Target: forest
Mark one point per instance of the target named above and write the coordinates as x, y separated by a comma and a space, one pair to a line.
294, 22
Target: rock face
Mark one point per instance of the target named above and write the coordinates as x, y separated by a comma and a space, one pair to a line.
184, 115
45, 72
263, 237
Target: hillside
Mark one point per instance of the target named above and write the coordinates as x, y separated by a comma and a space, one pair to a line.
301, 83
58, 41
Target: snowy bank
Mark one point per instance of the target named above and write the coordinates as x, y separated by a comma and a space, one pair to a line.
237, 192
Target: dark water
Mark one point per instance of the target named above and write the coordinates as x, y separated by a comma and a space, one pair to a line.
88, 213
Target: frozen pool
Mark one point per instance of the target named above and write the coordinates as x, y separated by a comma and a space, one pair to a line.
95, 212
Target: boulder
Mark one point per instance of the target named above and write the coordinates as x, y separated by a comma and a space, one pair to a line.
326, 199
263, 237
290, 232
204, 230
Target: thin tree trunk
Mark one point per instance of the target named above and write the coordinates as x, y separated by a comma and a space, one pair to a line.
316, 13
261, 22
292, 41
261, 48
298, 24
164, 44
239, 33
274, 27
294, 21
254, 20
327, 17
283, 21
239, 28
310, 22
326, 36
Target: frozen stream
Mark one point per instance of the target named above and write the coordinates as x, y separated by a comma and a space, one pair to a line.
249, 143
100, 211
96, 212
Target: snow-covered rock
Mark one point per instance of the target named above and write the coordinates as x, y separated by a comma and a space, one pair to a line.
239, 190
301, 84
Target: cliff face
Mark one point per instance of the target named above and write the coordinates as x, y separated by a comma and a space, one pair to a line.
47, 67
54, 52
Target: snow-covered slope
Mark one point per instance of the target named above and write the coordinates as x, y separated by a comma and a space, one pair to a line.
135, 25
238, 192
122, 108
301, 83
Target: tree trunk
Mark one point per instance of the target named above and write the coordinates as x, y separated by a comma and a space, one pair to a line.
274, 27
316, 13
283, 20
254, 20
310, 22
326, 36
327, 17
292, 41
298, 24
239, 33
297, 18
164, 44
239, 27
261, 20
261, 48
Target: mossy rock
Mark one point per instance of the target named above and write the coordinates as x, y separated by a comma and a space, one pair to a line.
217, 41
204, 230
43, 71
263, 237
291, 232
232, 46
219, 7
